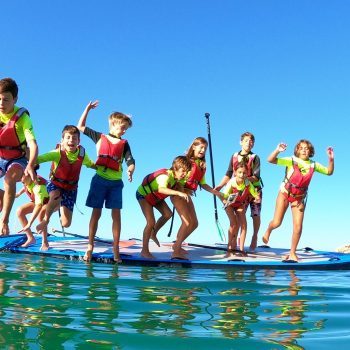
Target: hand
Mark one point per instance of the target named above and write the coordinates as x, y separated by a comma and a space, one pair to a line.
29, 170
25, 228
330, 152
130, 175
184, 196
92, 105
281, 147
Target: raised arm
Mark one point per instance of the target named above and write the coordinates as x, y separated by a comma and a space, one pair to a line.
272, 158
330, 154
82, 121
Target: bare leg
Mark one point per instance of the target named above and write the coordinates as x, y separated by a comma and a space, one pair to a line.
116, 228
298, 218
22, 213
189, 223
242, 222
166, 214
147, 211
256, 227
280, 209
93, 225
232, 231
13, 175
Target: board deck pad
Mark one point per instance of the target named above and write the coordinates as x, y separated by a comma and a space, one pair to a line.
210, 256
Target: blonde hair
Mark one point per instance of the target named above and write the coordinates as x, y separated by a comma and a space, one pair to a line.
190, 152
181, 162
121, 118
309, 145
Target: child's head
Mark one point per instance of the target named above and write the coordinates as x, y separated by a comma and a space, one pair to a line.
241, 170
304, 149
197, 148
119, 123
70, 138
247, 141
8, 95
181, 166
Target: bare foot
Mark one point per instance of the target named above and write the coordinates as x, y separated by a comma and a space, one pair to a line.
4, 229
183, 251
88, 255
28, 242
116, 256
253, 243
179, 255
154, 238
147, 255
266, 237
291, 257
44, 246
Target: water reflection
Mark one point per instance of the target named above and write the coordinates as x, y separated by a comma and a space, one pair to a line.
62, 304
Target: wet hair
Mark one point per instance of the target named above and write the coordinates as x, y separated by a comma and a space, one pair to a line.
190, 152
121, 117
181, 162
9, 85
248, 134
309, 145
70, 129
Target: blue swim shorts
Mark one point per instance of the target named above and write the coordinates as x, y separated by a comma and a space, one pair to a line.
5, 164
139, 196
105, 192
68, 197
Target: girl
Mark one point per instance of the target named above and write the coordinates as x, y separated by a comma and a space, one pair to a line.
195, 178
236, 197
293, 190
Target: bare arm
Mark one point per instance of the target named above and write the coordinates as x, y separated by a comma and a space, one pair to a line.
82, 121
33, 155
170, 192
272, 158
212, 190
330, 153
20, 192
222, 183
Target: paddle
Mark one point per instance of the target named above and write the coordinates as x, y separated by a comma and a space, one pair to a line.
218, 225
171, 223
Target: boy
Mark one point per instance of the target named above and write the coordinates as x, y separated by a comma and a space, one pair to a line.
16, 138
151, 194
67, 160
253, 165
37, 192
107, 184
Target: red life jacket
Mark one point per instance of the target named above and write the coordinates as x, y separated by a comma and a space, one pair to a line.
297, 184
195, 176
242, 196
110, 154
66, 174
10, 146
154, 197
39, 181
249, 164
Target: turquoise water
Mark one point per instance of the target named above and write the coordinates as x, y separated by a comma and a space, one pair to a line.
48, 303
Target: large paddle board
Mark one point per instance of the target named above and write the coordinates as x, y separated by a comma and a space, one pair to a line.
198, 255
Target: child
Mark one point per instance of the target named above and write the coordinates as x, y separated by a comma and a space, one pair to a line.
16, 138
236, 195
37, 192
293, 190
107, 184
151, 194
67, 160
185, 208
253, 165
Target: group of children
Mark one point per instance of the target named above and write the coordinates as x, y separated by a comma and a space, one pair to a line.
19, 161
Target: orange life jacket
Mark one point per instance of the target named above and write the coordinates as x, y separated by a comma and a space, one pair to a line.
66, 174
154, 197
10, 146
110, 154
241, 196
195, 176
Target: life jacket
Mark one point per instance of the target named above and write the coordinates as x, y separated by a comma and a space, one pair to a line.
195, 176
249, 163
110, 154
154, 197
297, 184
241, 195
39, 181
10, 146
66, 174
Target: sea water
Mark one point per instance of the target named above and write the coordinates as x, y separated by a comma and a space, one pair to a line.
48, 303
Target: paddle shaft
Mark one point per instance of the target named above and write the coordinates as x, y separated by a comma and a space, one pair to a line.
171, 223
81, 236
207, 115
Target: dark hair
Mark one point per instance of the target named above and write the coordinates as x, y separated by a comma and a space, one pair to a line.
248, 134
9, 85
240, 165
71, 129
309, 145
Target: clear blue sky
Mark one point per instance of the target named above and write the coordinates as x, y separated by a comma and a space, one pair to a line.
279, 69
